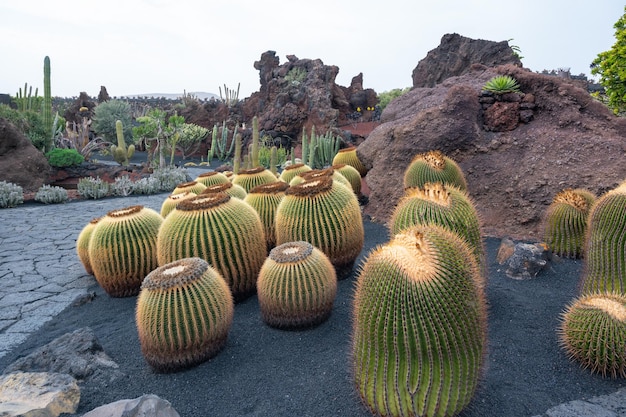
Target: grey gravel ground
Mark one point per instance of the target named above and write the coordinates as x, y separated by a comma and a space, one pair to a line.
526, 374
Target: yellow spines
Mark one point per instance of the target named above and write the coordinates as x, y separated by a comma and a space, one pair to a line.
229, 188
433, 166
250, 178
172, 200
265, 199
291, 171
82, 244
349, 156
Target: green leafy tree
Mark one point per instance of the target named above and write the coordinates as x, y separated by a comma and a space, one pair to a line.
109, 112
611, 66
385, 97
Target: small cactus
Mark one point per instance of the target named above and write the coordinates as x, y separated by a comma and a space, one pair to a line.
121, 153
229, 188
593, 332
348, 156
351, 174
172, 200
184, 314
191, 186
292, 170
265, 199
297, 286
433, 166
212, 178
82, 244
250, 178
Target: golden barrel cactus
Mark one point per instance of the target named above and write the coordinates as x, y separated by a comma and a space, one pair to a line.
184, 314
172, 200
433, 166
317, 173
291, 171
351, 174
211, 178
191, 186
229, 188
265, 199
82, 244
349, 156
250, 178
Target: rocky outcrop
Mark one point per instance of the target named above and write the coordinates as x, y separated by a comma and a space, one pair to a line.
82, 107
20, 162
38, 394
144, 406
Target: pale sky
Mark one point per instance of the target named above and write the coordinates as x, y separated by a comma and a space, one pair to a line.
166, 46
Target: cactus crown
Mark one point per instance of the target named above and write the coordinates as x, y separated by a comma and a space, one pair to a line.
435, 159
251, 171
611, 307
180, 196
572, 198
412, 249
270, 188
208, 174
293, 166
348, 149
291, 252
175, 274
216, 188
203, 201
128, 211
434, 192
316, 173
187, 184
95, 221
311, 187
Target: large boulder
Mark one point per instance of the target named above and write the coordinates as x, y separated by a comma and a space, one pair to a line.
20, 162
572, 141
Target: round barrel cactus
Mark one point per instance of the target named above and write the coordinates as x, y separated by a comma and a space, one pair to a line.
593, 332
82, 244
172, 200
351, 174
211, 178
265, 199
326, 214
565, 224
317, 173
433, 166
348, 156
291, 171
250, 178
192, 186
297, 286
229, 188
122, 249
419, 330
224, 231
447, 206
184, 314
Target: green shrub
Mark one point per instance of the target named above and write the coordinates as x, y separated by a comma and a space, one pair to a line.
48, 194
502, 84
95, 188
386, 97
10, 194
28, 122
105, 116
61, 158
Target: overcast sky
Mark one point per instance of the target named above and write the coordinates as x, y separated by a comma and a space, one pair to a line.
167, 46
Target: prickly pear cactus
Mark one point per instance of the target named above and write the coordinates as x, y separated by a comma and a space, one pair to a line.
419, 331
122, 249
297, 286
229, 188
211, 178
351, 174
433, 166
265, 199
172, 200
191, 186
326, 214
82, 244
593, 332
184, 314
565, 223
292, 170
250, 178
348, 156
224, 231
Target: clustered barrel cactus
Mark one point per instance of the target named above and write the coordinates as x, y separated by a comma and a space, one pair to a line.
292, 170
82, 244
265, 199
229, 188
212, 178
348, 156
433, 166
191, 186
172, 201
250, 178
351, 174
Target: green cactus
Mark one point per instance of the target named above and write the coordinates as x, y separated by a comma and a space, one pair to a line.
565, 224
292, 170
184, 314
419, 330
254, 151
172, 201
229, 188
351, 174
348, 156
444, 205
593, 332
317, 173
274, 160
265, 199
237, 157
82, 244
121, 153
433, 166
326, 214
297, 286
25, 100
191, 186
122, 249
47, 103
212, 178
605, 246
224, 231
250, 178
305, 147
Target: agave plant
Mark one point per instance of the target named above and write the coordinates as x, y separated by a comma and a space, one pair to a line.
502, 84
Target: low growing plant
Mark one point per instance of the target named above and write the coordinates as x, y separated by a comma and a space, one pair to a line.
95, 188
49, 194
169, 177
123, 186
10, 194
145, 186
62, 158
502, 84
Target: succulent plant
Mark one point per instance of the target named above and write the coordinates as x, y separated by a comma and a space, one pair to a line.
605, 246
191, 186
184, 314
212, 178
122, 249
229, 188
89, 187
326, 214
82, 244
351, 174
317, 173
265, 199
172, 200
292, 170
297, 286
147, 186
11, 195
444, 205
419, 330
49, 194
122, 186
593, 332
565, 223
348, 156
250, 178
224, 231
433, 166
169, 177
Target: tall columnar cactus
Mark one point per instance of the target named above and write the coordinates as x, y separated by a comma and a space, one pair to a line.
122, 249
82, 244
254, 151
265, 200
605, 248
351, 174
172, 201
444, 205
292, 170
224, 231
237, 157
419, 330
184, 314
348, 156
250, 178
121, 153
47, 103
212, 178
229, 188
593, 332
305, 147
565, 224
297, 286
433, 166
191, 186
318, 173
326, 214
274, 160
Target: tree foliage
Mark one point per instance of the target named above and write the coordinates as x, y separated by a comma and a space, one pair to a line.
611, 66
386, 97
105, 116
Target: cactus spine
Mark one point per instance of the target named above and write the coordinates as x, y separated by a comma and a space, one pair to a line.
419, 331
352, 175
297, 286
348, 156
121, 154
250, 178
265, 200
82, 244
291, 171
122, 249
433, 166
183, 316
191, 186
566, 222
224, 231
172, 201
47, 103
593, 332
